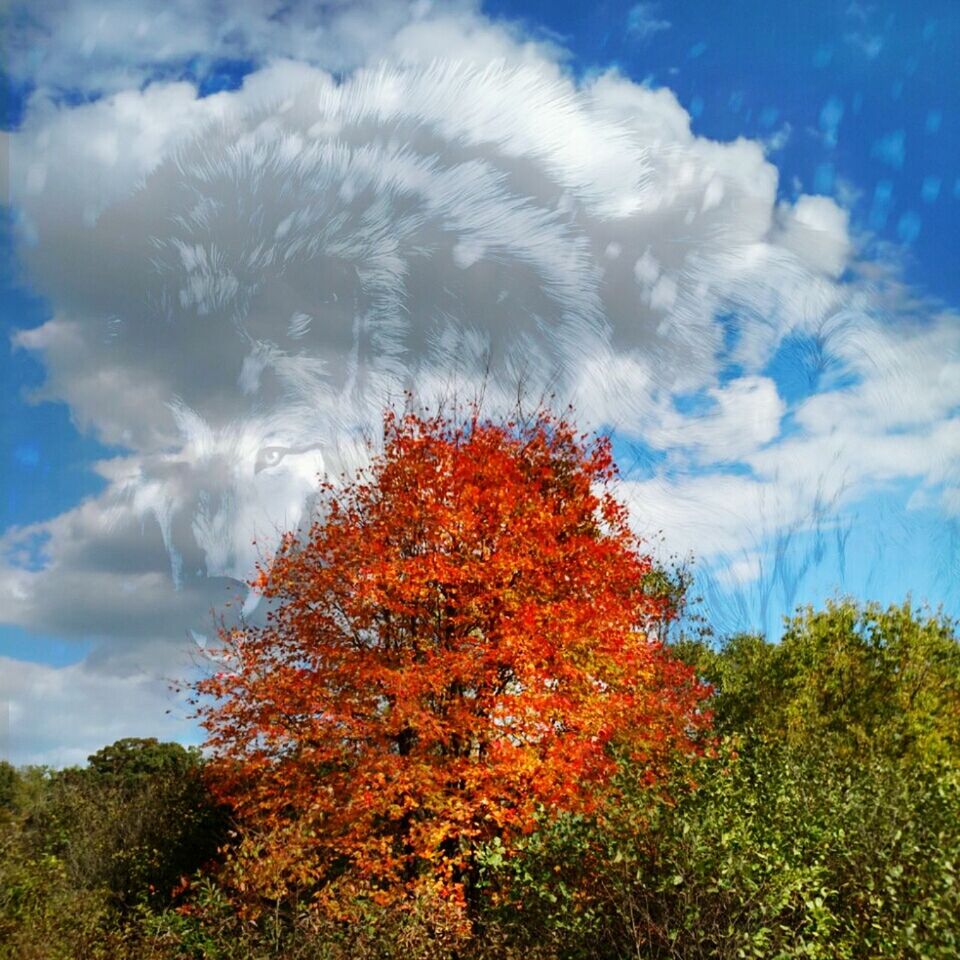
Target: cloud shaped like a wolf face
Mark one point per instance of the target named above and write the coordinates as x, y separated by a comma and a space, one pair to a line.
239, 319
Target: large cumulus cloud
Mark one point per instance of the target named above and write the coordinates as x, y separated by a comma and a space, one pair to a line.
308, 249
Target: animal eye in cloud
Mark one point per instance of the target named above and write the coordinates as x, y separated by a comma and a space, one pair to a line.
269, 457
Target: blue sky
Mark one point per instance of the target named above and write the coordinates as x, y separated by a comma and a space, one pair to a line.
853, 102
866, 88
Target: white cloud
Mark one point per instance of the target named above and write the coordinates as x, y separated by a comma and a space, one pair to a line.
279, 261
643, 21
909, 374
60, 715
105, 575
895, 425
817, 230
112, 45
743, 415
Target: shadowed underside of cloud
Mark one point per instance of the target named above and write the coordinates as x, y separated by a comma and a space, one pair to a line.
240, 282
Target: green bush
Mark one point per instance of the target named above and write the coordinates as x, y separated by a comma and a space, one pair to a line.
9, 782
131, 823
827, 824
777, 853
82, 848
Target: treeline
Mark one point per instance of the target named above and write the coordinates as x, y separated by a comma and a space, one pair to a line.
821, 820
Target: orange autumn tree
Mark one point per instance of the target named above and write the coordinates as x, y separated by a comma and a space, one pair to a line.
464, 639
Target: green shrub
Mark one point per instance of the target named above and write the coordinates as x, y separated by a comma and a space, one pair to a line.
778, 853
131, 823
82, 848
9, 781
828, 824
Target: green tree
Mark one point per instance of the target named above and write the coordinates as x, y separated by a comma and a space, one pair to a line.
134, 759
857, 679
131, 823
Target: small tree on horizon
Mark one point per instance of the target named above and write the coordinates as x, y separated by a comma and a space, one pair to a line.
464, 640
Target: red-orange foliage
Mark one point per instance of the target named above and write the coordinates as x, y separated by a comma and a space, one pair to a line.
464, 637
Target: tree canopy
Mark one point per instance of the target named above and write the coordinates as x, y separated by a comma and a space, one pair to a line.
134, 759
855, 678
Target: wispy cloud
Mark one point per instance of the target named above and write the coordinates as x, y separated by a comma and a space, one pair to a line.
644, 21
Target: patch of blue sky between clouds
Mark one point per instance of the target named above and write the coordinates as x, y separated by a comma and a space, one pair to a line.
208, 76
20, 644
831, 113
930, 191
842, 554
890, 149
696, 404
636, 458
801, 368
44, 460
732, 327
29, 552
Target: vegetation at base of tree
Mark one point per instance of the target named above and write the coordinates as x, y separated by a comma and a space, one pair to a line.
83, 849
776, 853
